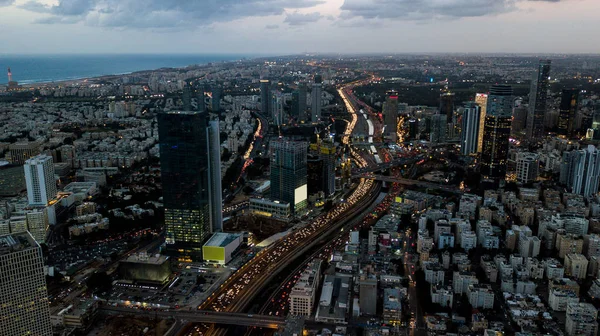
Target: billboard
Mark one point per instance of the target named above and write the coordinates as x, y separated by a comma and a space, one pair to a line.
300, 194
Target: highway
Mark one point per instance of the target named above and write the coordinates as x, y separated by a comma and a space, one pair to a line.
244, 285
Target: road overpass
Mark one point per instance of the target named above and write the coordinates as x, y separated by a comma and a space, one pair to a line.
409, 182
204, 316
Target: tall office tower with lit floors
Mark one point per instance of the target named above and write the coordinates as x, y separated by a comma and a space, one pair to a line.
537, 100
289, 173
24, 307
498, 122
189, 190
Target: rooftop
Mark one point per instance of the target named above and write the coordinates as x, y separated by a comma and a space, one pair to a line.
16, 242
222, 239
144, 258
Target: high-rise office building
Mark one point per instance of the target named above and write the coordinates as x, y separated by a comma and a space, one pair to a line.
321, 167
316, 101
497, 132
200, 90
299, 103
438, 128
186, 97
580, 171
527, 167
537, 100
185, 160
277, 102
481, 100
39, 178
568, 110
265, 98
390, 116
447, 106
216, 98
289, 173
24, 307
216, 190
470, 129
22, 151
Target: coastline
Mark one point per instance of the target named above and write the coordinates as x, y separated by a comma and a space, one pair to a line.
102, 63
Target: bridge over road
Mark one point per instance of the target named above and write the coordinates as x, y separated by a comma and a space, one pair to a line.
204, 316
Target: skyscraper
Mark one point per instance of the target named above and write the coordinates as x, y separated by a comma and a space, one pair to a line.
438, 128
216, 98
390, 116
537, 100
24, 308
289, 173
299, 103
447, 106
497, 132
216, 190
580, 171
481, 100
469, 137
39, 178
185, 170
316, 102
568, 109
22, 151
186, 97
265, 98
200, 89
277, 102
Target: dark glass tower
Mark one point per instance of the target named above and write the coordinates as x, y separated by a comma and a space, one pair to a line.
265, 98
498, 122
200, 97
537, 100
216, 98
186, 97
185, 178
568, 109
289, 173
447, 106
299, 103
390, 115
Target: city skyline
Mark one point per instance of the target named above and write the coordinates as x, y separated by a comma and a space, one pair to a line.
284, 27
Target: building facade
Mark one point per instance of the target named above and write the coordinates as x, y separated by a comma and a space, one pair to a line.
39, 178
537, 100
289, 173
469, 138
497, 132
24, 307
185, 172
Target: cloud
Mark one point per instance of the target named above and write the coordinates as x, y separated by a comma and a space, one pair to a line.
298, 19
272, 26
427, 9
4, 3
167, 14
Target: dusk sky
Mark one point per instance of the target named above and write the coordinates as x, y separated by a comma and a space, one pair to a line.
295, 26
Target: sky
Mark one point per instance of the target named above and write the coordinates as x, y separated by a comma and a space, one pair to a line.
281, 27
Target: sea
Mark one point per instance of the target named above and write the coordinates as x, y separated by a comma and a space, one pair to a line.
29, 69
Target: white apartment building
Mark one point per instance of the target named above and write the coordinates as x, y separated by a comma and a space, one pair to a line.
40, 181
302, 297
